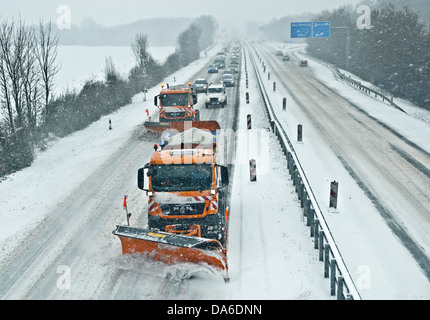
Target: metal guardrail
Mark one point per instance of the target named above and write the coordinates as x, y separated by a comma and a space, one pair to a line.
341, 284
355, 83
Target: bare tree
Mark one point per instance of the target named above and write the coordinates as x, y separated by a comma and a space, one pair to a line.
6, 32
46, 55
13, 44
140, 48
31, 77
110, 72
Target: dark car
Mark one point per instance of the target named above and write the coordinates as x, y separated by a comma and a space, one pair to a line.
200, 85
303, 63
234, 67
228, 80
229, 71
285, 57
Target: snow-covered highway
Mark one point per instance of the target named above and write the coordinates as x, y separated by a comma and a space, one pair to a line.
57, 218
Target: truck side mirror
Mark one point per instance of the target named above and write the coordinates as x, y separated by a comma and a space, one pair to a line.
156, 101
142, 173
224, 176
140, 179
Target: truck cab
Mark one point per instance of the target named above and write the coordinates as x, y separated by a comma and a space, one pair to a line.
186, 185
177, 104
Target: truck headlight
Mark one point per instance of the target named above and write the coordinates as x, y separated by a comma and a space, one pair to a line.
220, 99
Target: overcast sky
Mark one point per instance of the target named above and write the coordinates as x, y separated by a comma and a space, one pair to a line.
114, 12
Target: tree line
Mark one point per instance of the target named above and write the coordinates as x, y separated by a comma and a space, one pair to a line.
393, 54
30, 114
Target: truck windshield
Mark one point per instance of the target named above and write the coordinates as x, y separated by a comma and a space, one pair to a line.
181, 177
174, 99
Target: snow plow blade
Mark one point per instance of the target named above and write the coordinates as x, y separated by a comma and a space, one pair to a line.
157, 127
171, 248
181, 126
203, 125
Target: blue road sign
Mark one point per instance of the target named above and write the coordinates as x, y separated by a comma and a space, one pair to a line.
321, 29
301, 29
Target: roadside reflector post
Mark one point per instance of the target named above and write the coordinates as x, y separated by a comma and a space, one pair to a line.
316, 233
247, 97
124, 205
264, 69
299, 133
340, 295
289, 161
306, 209
110, 124
312, 222
274, 86
268, 76
248, 120
284, 104
252, 170
332, 277
326, 260
334, 186
320, 245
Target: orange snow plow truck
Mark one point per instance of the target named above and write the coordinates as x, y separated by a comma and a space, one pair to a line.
175, 104
187, 203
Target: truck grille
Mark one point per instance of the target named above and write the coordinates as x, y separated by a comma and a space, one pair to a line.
182, 209
176, 114
214, 99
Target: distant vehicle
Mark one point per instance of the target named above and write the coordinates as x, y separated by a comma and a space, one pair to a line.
303, 63
220, 65
236, 48
279, 53
229, 71
234, 61
234, 67
216, 95
228, 80
212, 69
200, 85
285, 57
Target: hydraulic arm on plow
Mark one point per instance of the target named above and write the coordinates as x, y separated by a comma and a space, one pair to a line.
187, 203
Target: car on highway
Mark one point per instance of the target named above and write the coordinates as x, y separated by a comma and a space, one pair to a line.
212, 69
234, 67
228, 80
303, 63
216, 95
200, 85
285, 57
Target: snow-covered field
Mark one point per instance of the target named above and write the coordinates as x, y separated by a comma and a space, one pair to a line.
82, 63
271, 254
